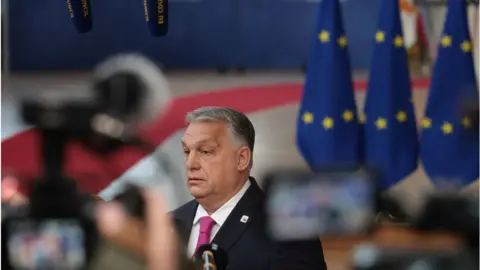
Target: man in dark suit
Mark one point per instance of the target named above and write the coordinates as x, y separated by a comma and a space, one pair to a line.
227, 210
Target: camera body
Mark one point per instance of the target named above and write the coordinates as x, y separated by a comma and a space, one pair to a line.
368, 257
454, 213
53, 231
339, 202
301, 205
56, 229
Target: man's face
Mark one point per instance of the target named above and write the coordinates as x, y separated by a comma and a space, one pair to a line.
212, 159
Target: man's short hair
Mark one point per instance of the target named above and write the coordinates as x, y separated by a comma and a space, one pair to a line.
241, 127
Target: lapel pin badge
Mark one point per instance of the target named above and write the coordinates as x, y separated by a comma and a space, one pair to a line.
244, 219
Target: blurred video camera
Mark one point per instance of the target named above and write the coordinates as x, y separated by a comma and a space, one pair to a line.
336, 202
56, 230
448, 212
301, 205
370, 257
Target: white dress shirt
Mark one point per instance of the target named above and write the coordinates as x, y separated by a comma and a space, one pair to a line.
218, 216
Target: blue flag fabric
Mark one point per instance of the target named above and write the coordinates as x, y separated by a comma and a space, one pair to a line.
81, 14
156, 15
449, 145
328, 132
390, 129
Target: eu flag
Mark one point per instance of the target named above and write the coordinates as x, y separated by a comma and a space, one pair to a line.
449, 145
390, 130
327, 127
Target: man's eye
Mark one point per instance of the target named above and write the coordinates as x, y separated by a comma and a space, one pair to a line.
186, 152
205, 152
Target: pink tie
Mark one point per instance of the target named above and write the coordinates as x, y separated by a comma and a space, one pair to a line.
206, 226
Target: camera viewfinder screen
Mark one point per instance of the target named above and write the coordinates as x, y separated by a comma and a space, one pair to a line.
327, 204
49, 244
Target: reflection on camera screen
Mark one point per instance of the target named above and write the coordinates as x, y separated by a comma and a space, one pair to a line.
48, 244
322, 205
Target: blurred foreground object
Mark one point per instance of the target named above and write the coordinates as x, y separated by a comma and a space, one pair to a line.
211, 257
391, 139
328, 132
390, 210
370, 257
331, 203
11, 193
456, 213
13, 199
127, 90
389, 236
452, 213
449, 149
96, 197
154, 99
149, 241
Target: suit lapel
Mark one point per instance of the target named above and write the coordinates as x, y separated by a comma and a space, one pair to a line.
184, 221
240, 218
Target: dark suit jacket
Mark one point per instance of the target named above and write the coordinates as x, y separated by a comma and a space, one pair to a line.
247, 244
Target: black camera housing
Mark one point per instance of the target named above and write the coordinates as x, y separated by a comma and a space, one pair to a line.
51, 202
360, 182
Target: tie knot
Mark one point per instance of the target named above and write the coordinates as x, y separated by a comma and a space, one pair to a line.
206, 224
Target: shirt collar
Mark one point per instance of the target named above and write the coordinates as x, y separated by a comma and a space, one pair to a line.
224, 211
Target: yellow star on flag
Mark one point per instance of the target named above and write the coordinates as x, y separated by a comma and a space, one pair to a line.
398, 41
342, 41
401, 116
327, 123
380, 36
324, 36
307, 118
426, 122
381, 123
447, 128
363, 118
466, 46
466, 122
446, 41
347, 116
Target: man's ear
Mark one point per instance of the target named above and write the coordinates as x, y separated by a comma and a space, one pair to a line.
244, 155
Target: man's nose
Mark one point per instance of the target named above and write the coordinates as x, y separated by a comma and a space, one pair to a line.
192, 162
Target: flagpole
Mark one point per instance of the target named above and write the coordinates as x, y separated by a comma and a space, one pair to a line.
428, 16
473, 22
